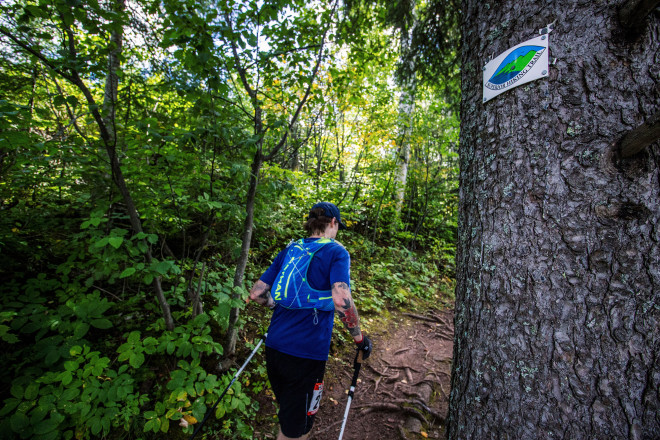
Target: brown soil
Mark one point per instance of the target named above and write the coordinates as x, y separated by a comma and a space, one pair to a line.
406, 379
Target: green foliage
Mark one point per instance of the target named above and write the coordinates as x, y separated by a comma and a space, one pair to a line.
395, 276
87, 350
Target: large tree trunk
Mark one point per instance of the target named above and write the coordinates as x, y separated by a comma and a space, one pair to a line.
558, 283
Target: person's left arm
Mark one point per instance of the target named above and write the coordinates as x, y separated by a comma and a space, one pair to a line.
344, 304
345, 308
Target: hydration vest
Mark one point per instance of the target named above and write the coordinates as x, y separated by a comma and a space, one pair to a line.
291, 289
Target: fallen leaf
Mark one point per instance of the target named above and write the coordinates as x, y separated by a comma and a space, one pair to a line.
423, 434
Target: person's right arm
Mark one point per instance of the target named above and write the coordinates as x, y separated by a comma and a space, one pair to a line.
260, 293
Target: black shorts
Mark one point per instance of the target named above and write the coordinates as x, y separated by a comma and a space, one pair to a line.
298, 386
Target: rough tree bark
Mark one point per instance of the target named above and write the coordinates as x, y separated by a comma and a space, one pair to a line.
558, 281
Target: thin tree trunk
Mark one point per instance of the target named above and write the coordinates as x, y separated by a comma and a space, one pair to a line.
257, 161
232, 331
405, 118
110, 139
105, 122
557, 324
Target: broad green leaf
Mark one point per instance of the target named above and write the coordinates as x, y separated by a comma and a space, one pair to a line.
52, 357
102, 242
80, 330
45, 426
164, 424
162, 267
101, 323
127, 272
10, 405
156, 424
17, 391
19, 421
70, 393
32, 391
136, 360
134, 337
70, 365
115, 242
199, 408
95, 425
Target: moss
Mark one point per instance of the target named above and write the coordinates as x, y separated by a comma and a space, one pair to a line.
574, 129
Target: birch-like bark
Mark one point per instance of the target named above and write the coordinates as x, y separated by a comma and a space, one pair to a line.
405, 116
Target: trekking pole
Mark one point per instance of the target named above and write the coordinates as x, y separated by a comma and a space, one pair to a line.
238, 373
357, 363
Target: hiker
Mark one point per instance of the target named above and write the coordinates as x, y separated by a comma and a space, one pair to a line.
304, 300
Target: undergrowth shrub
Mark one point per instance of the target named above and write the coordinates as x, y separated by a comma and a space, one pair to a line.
78, 365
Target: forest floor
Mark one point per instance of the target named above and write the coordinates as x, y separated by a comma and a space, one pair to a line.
403, 387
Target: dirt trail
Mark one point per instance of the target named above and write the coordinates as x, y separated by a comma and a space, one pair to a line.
403, 388
403, 383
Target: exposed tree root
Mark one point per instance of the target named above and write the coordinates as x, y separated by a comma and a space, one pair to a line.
409, 375
391, 407
329, 427
401, 367
423, 406
443, 335
423, 317
442, 390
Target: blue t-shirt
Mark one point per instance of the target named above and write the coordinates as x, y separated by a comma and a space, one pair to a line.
306, 333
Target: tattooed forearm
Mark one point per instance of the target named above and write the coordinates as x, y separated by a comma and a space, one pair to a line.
351, 321
260, 293
345, 308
